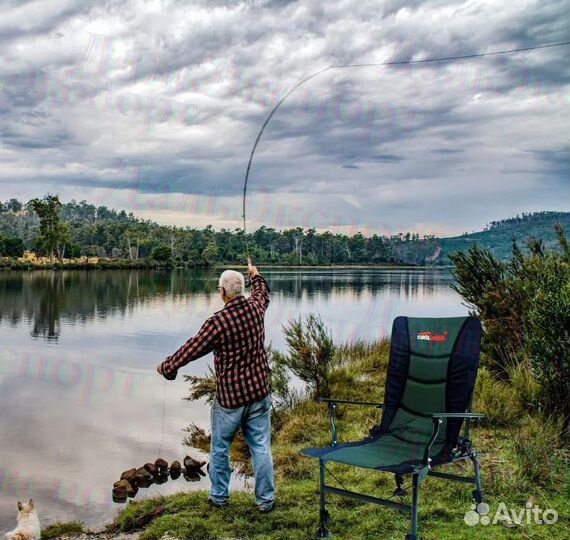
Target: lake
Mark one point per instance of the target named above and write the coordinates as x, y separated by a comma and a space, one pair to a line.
80, 397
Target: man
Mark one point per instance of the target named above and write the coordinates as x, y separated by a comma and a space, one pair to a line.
236, 334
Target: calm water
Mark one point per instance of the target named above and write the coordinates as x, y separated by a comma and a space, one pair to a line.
79, 394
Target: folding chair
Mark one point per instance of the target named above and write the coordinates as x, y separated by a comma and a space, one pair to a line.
429, 387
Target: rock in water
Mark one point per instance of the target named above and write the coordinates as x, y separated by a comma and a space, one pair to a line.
151, 468
162, 466
192, 465
132, 491
123, 489
130, 476
175, 470
144, 478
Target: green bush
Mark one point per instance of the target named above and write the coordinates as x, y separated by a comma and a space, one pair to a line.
310, 353
161, 253
525, 309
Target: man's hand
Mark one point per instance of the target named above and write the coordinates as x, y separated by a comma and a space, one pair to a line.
251, 270
161, 371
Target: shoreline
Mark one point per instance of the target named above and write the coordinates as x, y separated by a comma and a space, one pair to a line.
7, 264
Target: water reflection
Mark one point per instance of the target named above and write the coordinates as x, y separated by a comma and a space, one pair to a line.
45, 298
79, 394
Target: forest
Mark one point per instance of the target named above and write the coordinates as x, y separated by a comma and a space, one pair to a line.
74, 229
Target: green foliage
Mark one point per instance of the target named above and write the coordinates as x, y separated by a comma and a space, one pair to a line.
524, 305
196, 438
103, 232
59, 529
285, 395
54, 235
497, 400
210, 253
536, 444
310, 353
498, 235
523, 381
202, 387
11, 247
161, 253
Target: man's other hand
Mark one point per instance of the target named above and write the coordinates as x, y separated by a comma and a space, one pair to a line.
161, 371
251, 270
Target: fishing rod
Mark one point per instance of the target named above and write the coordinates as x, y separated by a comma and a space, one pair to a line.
379, 64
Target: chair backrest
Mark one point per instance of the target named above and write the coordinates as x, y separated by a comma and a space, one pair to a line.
432, 369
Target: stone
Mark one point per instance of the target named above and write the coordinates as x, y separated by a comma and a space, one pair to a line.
144, 478
161, 465
151, 468
130, 476
192, 465
175, 470
123, 489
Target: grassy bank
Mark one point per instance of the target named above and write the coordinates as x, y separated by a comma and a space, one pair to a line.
523, 461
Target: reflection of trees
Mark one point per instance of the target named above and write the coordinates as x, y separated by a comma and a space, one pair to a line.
405, 283
45, 298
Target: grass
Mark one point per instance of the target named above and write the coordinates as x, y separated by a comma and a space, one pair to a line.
513, 466
63, 529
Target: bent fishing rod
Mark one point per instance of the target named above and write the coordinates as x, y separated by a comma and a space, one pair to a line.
444, 59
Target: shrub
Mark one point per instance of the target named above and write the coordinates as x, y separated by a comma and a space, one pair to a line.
161, 253
310, 353
285, 395
202, 387
525, 309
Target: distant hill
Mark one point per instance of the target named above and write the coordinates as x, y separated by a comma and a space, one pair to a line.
497, 237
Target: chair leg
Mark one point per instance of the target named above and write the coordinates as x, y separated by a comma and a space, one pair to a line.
477, 493
323, 531
413, 534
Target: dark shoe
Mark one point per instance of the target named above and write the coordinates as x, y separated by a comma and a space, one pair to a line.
215, 504
266, 509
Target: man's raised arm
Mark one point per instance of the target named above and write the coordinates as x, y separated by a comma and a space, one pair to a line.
259, 287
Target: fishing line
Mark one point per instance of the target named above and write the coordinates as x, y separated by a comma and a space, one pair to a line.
380, 64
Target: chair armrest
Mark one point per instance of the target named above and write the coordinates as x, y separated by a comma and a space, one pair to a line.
437, 419
469, 416
332, 403
346, 402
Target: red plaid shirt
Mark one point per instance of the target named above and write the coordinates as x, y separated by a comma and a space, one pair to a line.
236, 334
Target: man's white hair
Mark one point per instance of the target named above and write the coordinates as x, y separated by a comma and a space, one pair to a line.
233, 283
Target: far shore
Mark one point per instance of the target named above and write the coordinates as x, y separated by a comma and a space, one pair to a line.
149, 264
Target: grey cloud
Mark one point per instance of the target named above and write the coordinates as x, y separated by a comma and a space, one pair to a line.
183, 103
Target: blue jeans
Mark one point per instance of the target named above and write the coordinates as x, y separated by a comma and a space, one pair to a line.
254, 419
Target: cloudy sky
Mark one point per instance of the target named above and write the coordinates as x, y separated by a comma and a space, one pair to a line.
153, 106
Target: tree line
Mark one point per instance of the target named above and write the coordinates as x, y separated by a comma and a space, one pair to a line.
58, 230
